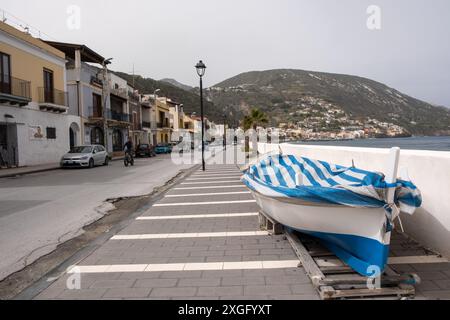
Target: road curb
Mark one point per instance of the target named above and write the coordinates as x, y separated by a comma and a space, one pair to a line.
12, 175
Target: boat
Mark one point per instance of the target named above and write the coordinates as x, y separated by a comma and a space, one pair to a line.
350, 210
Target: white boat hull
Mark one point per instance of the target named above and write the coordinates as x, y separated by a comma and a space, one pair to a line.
359, 232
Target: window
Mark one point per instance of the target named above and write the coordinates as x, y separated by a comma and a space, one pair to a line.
48, 86
51, 133
5, 73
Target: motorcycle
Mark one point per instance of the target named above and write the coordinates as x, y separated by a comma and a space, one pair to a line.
128, 160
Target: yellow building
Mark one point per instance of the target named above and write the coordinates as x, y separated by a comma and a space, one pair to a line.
34, 125
163, 128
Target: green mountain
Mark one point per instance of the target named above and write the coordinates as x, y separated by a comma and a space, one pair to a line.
284, 93
190, 99
177, 84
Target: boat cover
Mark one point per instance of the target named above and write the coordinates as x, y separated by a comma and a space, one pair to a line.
322, 182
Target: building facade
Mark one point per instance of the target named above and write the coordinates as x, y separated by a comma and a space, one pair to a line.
134, 103
148, 112
98, 97
34, 122
163, 128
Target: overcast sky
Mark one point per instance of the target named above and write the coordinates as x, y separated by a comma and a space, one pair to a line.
165, 38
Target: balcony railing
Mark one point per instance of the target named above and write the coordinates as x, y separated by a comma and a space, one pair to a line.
54, 96
95, 112
118, 116
16, 87
120, 92
146, 124
163, 124
137, 127
96, 81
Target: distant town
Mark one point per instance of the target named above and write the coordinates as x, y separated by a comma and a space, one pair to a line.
321, 120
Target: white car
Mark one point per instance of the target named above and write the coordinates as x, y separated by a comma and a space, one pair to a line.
85, 156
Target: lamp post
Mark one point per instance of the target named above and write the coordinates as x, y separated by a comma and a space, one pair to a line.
155, 96
225, 132
105, 93
201, 69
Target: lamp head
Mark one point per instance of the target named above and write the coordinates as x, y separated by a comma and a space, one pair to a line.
201, 68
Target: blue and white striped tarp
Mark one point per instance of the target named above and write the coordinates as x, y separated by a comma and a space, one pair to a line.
321, 182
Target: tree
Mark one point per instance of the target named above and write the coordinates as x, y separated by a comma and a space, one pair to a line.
254, 119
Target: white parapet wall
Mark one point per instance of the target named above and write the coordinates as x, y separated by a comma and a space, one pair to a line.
429, 170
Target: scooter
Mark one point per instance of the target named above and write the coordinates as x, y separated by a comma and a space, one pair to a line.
128, 160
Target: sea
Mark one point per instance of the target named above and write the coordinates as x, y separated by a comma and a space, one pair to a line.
412, 143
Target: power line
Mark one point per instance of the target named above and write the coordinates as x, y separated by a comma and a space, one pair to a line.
20, 24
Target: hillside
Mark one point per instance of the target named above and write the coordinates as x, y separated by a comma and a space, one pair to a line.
177, 84
283, 94
190, 99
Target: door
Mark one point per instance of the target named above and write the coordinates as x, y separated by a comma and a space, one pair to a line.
5, 73
48, 86
97, 106
98, 156
71, 138
97, 136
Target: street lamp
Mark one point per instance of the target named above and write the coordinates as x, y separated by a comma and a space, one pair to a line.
225, 132
201, 69
105, 93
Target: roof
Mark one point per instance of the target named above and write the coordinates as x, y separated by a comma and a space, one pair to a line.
87, 54
31, 40
169, 101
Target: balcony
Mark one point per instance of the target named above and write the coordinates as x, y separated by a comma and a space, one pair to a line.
97, 82
118, 116
146, 124
164, 124
16, 92
52, 100
136, 127
120, 92
95, 112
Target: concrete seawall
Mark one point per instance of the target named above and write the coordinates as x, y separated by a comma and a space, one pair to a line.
429, 170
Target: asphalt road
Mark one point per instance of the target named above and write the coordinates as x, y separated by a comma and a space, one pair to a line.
40, 211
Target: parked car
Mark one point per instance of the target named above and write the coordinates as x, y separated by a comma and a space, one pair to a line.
163, 148
85, 156
145, 150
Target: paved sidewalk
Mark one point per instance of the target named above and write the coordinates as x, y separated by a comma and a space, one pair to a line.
201, 241
12, 172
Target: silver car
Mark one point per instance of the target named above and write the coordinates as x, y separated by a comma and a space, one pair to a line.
85, 156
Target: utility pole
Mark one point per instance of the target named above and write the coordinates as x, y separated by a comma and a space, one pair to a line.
225, 132
105, 93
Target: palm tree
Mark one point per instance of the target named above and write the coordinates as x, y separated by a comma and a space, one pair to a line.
252, 121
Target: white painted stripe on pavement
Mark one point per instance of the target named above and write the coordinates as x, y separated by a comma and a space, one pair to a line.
199, 176
211, 187
238, 178
218, 174
210, 182
202, 203
417, 260
200, 216
206, 194
217, 266
189, 235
